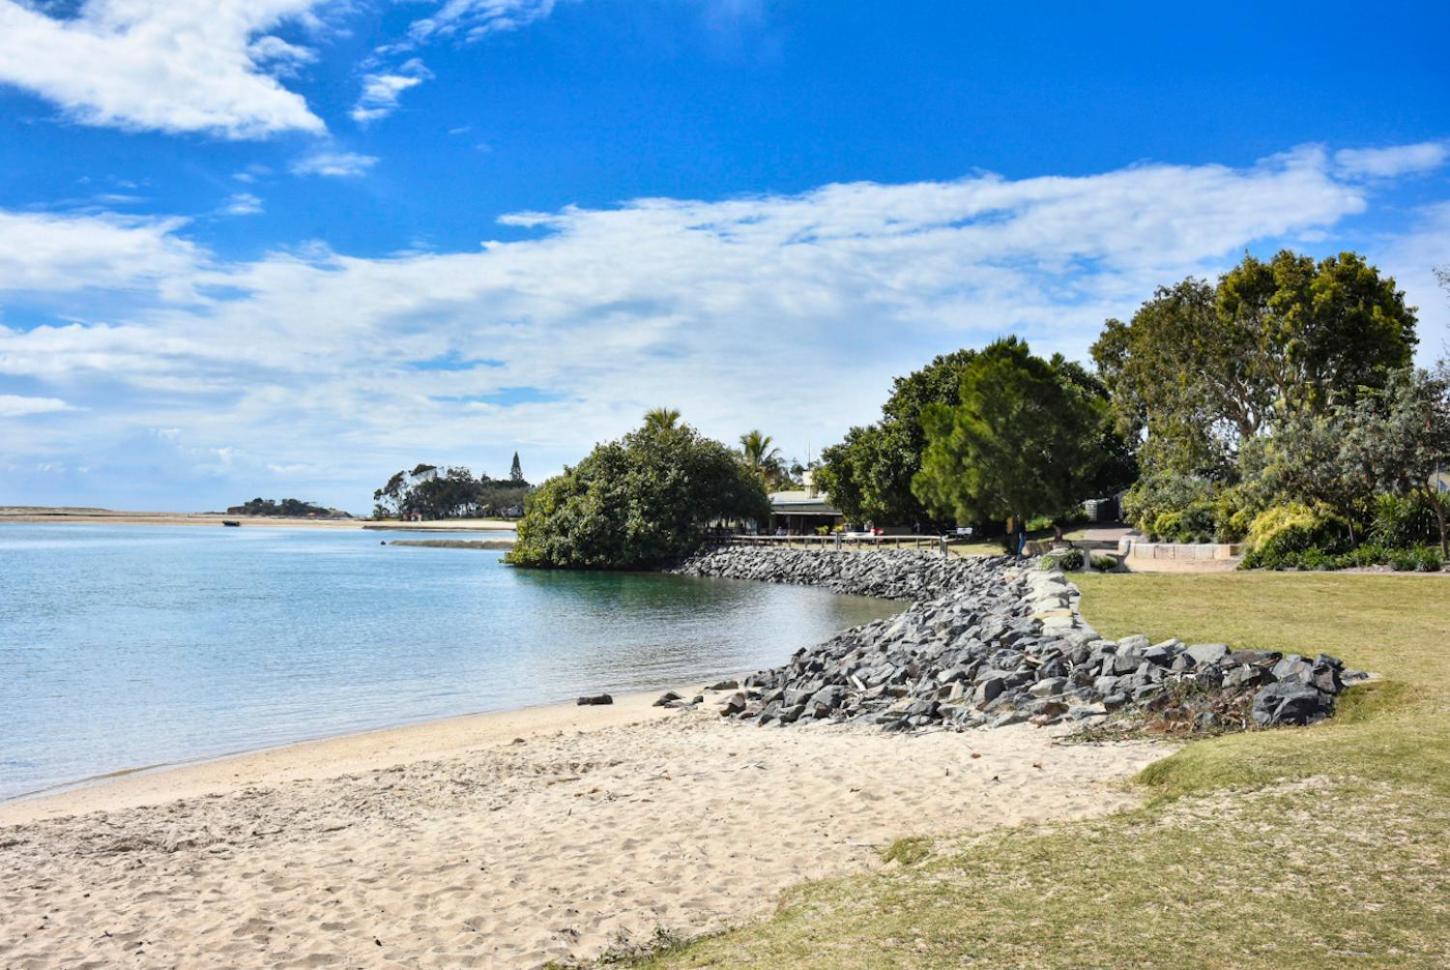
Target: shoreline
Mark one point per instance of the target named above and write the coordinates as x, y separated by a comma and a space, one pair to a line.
371, 749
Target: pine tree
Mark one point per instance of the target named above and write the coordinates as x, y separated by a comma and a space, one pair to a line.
516, 473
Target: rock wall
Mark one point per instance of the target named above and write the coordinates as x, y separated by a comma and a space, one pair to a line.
990, 642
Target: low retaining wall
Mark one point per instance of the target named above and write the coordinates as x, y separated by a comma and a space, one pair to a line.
1181, 551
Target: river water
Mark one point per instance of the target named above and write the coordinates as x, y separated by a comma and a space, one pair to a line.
130, 646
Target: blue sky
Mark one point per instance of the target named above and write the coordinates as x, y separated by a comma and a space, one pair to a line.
285, 247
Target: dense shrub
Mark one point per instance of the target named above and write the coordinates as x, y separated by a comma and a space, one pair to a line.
1279, 536
1069, 560
1104, 563
636, 503
1154, 496
1428, 560
1403, 521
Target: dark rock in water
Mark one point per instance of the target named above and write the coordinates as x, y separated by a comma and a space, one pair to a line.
1290, 703
596, 699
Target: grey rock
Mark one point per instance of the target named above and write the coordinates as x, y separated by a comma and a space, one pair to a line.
595, 699
1290, 703
1048, 687
1207, 653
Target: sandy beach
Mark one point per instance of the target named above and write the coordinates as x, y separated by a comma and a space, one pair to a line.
503, 840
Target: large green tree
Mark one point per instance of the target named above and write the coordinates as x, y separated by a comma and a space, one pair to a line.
647, 499
868, 475
1202, 369
1024, 439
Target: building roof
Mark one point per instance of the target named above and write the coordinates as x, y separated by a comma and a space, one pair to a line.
801, 502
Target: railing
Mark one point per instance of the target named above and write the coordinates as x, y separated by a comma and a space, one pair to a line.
840, 542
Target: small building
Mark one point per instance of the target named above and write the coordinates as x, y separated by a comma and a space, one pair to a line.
802, 511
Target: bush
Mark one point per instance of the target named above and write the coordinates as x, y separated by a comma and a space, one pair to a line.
1104, 563
1069, 560
1404, 560
1279, 534
1234, 510
647, 499
1153, 496
1428, 560
1403, 521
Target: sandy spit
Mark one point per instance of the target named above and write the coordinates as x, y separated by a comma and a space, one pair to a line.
37, 515
502, 840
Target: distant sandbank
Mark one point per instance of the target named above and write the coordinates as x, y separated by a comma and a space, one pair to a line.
36, 515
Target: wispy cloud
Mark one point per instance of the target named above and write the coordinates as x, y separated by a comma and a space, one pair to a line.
242, 204
381, 90
334, 164
17, 406
171, 67
1392, 161
472, 20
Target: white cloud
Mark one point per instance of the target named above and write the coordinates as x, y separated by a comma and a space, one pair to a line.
63, 253
242, 204
790, 313
163, 65
1393, 161
472, 20
381, 90
16, 406
334, 164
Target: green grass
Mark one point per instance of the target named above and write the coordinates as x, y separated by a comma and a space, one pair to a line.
1312, 847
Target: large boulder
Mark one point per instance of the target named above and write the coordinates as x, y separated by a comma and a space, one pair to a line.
1288, 702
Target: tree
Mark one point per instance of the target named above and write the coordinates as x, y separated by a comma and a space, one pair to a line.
516, 472
868, 476
1021, 442
444, 492
1202, 369
662, 419
647, 499
763, 460
1401, 436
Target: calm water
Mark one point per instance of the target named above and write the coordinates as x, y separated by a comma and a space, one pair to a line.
128, 646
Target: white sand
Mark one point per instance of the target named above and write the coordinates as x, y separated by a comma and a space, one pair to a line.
452, 845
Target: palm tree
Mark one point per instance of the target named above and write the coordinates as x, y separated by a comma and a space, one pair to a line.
661, 419
762, 460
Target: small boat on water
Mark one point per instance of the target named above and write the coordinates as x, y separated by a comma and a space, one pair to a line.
231, 522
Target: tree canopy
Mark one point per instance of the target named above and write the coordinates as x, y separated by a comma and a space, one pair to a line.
646, 499
763, 459
868, 475
1023, 440
1202, 369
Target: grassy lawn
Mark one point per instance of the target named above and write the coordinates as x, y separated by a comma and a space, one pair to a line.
1292, 848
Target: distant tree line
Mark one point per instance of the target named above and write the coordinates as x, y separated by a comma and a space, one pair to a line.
289, 507
431, 492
